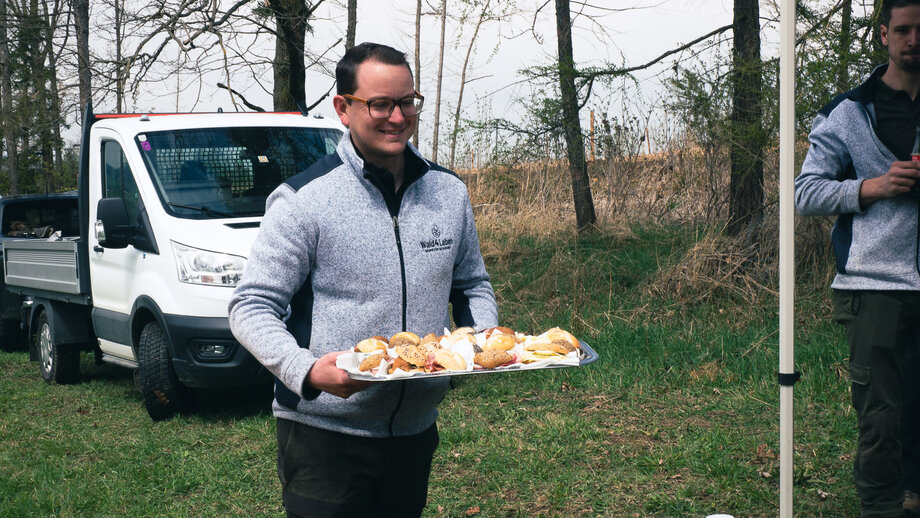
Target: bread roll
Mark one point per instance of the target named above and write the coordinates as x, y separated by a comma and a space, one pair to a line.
492, 358
412, 354
561, 334
370, 345
371, 362
560, 347
404, 337
429, 347
449, 360
500, 342
499, 329
399, 363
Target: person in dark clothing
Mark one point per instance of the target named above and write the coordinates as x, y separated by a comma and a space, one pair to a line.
859, 168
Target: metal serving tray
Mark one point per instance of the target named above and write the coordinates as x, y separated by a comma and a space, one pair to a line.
588, 355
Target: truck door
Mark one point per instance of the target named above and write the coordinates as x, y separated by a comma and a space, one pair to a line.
114, 270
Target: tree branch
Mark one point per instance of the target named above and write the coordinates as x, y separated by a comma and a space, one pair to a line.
622, 71
242, 98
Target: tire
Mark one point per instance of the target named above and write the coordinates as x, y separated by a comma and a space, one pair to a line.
57, 363
164, 396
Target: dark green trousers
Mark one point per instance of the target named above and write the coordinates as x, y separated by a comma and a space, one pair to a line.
326, 474
883, 329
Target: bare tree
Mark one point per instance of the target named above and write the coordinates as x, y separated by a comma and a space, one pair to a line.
845, 39
81, 28
574, 142
52, 15
6, 99
440, 80
418, 58
292, 19
746, 183
150, 33
483, 17
352, 24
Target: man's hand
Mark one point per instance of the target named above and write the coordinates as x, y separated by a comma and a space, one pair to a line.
327, 377
899, 179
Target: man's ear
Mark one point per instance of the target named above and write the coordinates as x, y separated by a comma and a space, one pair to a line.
340, 104
883, 35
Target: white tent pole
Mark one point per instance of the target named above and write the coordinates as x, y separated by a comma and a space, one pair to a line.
787, 374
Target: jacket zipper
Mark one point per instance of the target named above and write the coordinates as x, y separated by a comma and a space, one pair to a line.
402, 271
393, 202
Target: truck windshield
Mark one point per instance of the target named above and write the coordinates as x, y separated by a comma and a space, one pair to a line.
228, 172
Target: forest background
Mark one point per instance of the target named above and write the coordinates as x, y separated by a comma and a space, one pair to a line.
714, 93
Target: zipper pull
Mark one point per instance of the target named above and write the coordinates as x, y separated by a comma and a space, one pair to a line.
396, 229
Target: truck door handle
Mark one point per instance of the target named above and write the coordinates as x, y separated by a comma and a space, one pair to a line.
97, 248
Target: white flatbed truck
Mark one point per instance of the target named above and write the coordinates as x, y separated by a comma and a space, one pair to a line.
169, 206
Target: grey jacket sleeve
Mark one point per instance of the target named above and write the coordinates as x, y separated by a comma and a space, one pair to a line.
819, 189
277, 267
472, 297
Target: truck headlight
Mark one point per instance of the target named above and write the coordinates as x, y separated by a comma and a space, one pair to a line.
198, 266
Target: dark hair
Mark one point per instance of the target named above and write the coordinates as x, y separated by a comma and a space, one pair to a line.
345, 72
888, 5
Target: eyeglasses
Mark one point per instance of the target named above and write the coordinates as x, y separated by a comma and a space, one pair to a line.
383, 107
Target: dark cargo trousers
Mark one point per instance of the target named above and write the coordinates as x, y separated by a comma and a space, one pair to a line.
332, 475
883, 329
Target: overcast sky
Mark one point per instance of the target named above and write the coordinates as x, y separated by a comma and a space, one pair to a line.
634, 35
621, 32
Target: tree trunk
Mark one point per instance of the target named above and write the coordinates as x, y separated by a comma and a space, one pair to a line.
352, 24
418, 59
466, 62
11, 143
41, 123
81, 27
119, 65
585, 217
746, 184
54, 97
877, 48
843, 49
291, 19
437, 99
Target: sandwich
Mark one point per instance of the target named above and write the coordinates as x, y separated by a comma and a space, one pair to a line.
443, 359
493, 358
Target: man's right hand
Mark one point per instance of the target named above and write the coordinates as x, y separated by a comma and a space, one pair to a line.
899, 179
325, 376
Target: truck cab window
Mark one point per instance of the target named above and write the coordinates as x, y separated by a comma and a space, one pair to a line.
228, 172
118, 182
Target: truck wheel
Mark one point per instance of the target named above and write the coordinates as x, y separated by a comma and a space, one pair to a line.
57, 363
164, 396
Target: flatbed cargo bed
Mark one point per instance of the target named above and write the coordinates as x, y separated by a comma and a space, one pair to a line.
44, 265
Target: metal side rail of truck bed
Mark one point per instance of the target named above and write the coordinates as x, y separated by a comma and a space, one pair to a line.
46, 268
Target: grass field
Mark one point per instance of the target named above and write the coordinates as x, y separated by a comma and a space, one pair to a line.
678, 418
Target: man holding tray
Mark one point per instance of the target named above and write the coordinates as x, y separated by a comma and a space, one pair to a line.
371, 240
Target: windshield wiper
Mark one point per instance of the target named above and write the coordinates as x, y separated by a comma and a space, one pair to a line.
205, 209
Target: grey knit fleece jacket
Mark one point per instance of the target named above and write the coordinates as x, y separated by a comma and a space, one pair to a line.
341, 257
876, 248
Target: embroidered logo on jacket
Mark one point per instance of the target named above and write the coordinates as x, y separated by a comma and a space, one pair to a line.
436, 242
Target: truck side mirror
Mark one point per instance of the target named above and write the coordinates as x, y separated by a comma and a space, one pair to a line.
112, 227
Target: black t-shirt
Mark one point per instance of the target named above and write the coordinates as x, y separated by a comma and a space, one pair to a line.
897, 118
